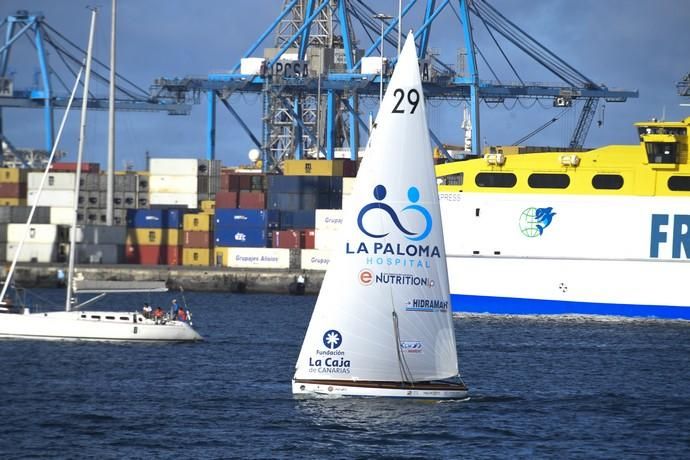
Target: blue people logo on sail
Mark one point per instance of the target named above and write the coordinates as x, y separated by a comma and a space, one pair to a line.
395, 225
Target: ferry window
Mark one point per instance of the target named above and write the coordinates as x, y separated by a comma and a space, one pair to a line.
454, 179
124, 318
662, 152
109, 317
607, 181
495, 180
95, 317
548, 180
679, 183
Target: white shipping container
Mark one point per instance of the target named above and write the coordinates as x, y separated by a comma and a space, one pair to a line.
177, 199
33, 252
255, 257
252, 66
54, 181
61, 216
327, 239
52, 198
173, 184
328, 219
184, 167
315, 259
37, 233
373, 64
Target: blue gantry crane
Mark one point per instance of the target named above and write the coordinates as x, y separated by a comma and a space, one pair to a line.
325, 58
58, 59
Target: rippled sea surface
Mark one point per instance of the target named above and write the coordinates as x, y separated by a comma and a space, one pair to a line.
570, 387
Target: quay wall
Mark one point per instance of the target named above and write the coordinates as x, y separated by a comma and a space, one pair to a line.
208, 279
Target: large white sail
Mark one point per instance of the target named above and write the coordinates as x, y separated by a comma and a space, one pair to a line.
383, 313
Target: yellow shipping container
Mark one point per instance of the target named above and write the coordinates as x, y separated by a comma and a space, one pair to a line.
172, 236
147, 236
208, 206
12, 202
195, 256
12, 175
197, 222
313, 168
221, 256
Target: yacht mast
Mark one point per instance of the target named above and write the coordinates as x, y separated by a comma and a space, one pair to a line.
80, 155
111, 123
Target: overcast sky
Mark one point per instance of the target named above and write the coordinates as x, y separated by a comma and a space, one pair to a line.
628, 44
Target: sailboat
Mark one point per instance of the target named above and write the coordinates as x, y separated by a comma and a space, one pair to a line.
74, 324
382, 323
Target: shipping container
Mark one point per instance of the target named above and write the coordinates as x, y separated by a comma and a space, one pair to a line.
327, 239
304, 184
240, 235
99, 253
173, 184
339, 167
20, 214
12, 175
308, 239
144, 254
54, 181
196, 257
62, 216
328, 219
189, 200
33, 252
13, 189
197, 222
37, 233
99, 234
226, 200
209, 206
287, 239
12, 201
3, 235
251, 200
296, 219
269, 219
72, 167
51, 197
197, 239
315, 259
260, 258
184, 167
172, 255
156, 218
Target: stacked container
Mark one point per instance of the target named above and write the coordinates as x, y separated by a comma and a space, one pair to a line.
244, 227
12, 187
99, 244
183, 181
43, 243
154, 236
245, 189
197, 239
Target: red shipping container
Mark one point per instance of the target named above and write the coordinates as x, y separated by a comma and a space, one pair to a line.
308, 239
245, 181
72, 167
197, 239
173, 255
287, 239
229, 182
252, 200
13, 190
349, 168
143, 254
226, 200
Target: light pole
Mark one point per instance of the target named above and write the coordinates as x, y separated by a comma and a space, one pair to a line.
382, 17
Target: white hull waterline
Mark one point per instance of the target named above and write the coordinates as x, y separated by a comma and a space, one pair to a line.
94, 326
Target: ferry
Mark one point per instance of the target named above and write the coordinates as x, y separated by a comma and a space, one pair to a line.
597, 232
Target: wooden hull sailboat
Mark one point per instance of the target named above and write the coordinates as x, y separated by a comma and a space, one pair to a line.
382, 324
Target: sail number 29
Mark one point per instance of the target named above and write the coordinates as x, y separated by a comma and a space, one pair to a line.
412, 98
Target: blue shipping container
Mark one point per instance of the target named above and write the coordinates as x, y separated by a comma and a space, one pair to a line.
290, 220
248, 217
155, 218
304, 184
240, 236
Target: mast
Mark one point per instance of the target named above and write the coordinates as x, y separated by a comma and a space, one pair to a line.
111, 123
80, 155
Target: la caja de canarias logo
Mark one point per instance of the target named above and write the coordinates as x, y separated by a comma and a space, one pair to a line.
331, 360
413, 222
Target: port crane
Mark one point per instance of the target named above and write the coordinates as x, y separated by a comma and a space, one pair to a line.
326, 57
51, 90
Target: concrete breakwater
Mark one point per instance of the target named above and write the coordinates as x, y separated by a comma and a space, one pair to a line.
209, 279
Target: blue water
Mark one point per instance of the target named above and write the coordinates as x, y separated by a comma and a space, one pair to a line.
540, 388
